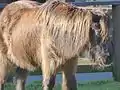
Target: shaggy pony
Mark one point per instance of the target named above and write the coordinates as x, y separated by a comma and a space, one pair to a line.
51, 36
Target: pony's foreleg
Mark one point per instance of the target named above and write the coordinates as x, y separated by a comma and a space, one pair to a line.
21, 75
48, 76
48, 70
68, 75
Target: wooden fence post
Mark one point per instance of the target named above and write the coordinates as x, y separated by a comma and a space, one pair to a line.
116, 42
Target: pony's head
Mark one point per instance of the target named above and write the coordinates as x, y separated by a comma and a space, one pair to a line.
99, 37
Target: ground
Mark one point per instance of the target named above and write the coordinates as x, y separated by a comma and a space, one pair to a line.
91, 85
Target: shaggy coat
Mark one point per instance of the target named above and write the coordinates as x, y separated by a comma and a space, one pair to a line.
56, 29
50, 36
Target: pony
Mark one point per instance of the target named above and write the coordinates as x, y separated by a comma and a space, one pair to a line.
51, 37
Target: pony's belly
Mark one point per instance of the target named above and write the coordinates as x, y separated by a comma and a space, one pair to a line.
23, 54
21, 59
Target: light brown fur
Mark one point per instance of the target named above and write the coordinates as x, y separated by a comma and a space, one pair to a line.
59, 27
49, 36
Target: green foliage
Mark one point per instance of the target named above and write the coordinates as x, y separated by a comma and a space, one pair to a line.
9, 86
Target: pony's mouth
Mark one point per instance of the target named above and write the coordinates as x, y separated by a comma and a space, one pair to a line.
101, 64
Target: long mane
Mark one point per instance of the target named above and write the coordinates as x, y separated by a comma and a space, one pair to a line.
67, 26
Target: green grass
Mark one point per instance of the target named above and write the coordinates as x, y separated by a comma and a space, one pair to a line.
92, 85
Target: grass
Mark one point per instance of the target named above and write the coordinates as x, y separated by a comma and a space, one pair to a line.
92, 85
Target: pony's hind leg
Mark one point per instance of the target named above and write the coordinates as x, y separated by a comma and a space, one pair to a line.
68, 75
1, 86
21, 75
2, 81
5, 65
